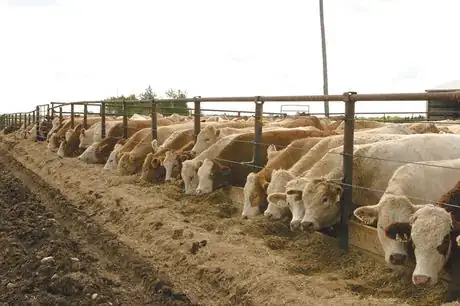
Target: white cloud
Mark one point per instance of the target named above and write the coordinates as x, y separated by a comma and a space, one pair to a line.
90, 49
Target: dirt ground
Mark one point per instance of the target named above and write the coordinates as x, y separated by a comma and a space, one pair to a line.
212, 255
43, 262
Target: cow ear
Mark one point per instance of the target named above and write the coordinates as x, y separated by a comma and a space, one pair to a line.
399, 231
276, 198
265, 186
294, 192
155, 145
155, 162
271, 148
367, 214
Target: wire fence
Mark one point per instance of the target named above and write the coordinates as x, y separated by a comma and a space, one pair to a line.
45, 113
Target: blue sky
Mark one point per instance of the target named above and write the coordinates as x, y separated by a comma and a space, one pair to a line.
89, 49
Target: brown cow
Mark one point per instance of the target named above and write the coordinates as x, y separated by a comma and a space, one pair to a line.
99, 152
154, 169
255, 189
176, 141
60, 133
131, 158
69, 146
231, 165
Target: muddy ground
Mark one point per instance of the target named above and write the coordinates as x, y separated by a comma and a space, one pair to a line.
205, 250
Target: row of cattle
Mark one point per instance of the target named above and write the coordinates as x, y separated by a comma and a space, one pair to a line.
393, 170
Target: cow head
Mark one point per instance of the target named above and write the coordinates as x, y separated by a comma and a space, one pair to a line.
68, 134
277, 205
54, 143
207, 137
64, 149
152, 170
390, 210
255, 195
293, 199
321, 201
89, 155
271, 151
112, 160
433, 234
189, 175
171, 163
127, 164
85, 139
211, 175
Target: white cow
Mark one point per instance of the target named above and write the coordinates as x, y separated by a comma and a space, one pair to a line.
373, 166
190, 167
280, 178
94, 133
410, 184
111, 163
435, 238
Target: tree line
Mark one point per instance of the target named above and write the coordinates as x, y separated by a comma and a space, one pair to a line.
165, 109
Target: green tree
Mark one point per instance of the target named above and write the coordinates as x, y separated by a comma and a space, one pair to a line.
174, 107
132, 103
148, 94
134, 106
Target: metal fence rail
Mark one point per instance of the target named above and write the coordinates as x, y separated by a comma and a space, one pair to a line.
48, 111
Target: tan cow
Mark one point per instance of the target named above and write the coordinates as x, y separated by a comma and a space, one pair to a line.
255, 189
210, 134
424, 128
361, 124
154, 169
99, 152
69, 145
59, 135
131, 156
231, 165
56, 123
176, 141
299, 121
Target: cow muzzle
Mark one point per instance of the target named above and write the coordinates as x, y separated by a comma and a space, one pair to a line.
422, 280
398, 259
295, 225
307, 226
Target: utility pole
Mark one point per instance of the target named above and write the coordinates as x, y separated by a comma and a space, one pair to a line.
323, 45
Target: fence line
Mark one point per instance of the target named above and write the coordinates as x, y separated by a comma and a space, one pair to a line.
349, 98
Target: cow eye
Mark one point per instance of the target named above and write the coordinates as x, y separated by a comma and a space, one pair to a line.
324, 200
444, 246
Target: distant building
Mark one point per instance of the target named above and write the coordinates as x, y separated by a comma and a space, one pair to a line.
440, 110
